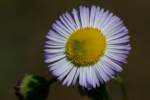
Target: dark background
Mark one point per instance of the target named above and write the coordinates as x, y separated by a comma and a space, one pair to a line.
24, 24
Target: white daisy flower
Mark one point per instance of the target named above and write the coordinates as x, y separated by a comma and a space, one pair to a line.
87, 46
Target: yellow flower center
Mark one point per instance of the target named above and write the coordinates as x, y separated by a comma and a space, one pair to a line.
85, 46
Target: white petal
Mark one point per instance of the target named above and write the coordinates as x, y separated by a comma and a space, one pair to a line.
119, 30
116, 56
54, 46
70, 21
101, 72
92, 16
60, 24
98, 73
54, 34
96, 17
124, 47
84, 16
61, 77
56, 39
52, 55
54, 50
65, 23
50, 60
113, 20
99, 16
58, 64
116, 36
60, 30
118, 51
107, 69
54, 43
60, 69
124, 39
76, 18
104, 17
76, 76
107, 19
89, 77
81, 17
114, 28
72, 76
81, 77
86, 76
112, 64
68, 80
87, 17
95, 78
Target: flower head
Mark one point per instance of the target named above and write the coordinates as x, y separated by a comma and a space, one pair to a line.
88, 45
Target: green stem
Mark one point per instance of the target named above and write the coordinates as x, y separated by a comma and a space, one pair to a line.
122, 86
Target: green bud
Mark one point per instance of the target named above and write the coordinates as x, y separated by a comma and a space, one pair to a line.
32, 87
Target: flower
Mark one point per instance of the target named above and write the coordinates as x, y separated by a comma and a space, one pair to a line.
89, 45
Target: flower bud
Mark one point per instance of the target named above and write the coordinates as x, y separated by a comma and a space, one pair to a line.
32, 87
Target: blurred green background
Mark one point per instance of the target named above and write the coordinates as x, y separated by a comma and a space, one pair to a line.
24, 24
